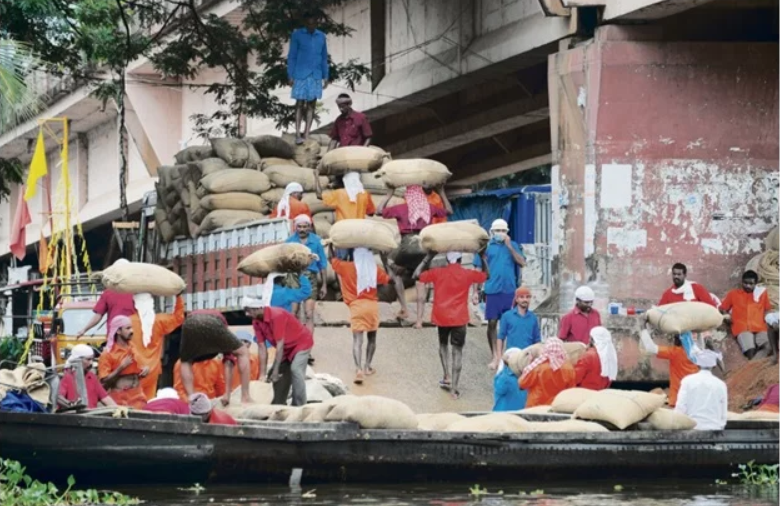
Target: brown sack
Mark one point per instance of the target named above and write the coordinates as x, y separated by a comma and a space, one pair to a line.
680, 317
322, 226
669, 419
267, 162
565, 426
454, 236
193, 154
394, 201
282, 175
238, 201
570, 399
210, 166
285, 257
236, 180
772, 241
271, 146
315, 205
351, 159
414, 172
224, 218
273, 196
621, 408
521, 360
494, 422
236, 152
437, 421
759, 415
375, 235
536, 410
307, 154
287, 414
374, 412
258, 411
138, 277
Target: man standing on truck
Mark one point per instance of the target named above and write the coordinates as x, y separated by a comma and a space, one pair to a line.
119, 368
315, 273
351, 128
110, 304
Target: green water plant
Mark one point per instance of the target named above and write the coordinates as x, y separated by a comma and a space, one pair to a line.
757, 474
17, 488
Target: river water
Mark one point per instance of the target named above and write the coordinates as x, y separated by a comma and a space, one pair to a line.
586, 494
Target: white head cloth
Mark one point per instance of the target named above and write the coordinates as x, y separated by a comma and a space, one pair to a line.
454, 256
79, 352
283, 209
365, 265
302, 218
507, 355
707, 359
252, 303
585, 294
166, 393
268, 288
144, 306
602, 340
353, 185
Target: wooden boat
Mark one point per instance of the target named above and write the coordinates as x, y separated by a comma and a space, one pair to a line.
153, 448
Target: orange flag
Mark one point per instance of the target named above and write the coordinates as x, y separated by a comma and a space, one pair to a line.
43, 255
18, 244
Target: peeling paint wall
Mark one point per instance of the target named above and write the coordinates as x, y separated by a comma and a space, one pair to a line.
668, 152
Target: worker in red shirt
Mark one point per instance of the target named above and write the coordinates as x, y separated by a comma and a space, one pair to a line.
110, 304
451, 285
576, 325
167, 401
351, 128
68, 394
748, 307
683, 290
200, 405
598, 366
293, 341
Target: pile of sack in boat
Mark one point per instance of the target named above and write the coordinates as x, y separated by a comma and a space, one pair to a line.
766, 265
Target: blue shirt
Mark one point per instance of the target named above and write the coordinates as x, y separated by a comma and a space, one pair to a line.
285, 297
507, 394
308, 55
314, 243
519, 331
503, 277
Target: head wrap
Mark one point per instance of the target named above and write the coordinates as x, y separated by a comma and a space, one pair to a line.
268, 287
283, 209
707, 359
116, 323
200, 404
552, 352
79, 352
454, 256
500, 225
523, 290
144, 306
302, 218
417, 202
505, 358
585, 294
352, 185
602, 340
252, 303
166, 393
245, 336
120, 261
366, 268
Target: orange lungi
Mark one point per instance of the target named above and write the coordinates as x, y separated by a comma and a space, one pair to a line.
364, 315
132, 397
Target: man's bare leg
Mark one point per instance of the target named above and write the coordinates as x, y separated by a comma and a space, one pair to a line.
299, 105
420, 287
370, 350
357, 356
309, 117
492, 334
444, 357
308, 307
457, 366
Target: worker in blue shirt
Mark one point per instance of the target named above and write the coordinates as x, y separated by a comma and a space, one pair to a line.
503, 255
307, 71
507, 394
316, 270
284, 296
519, 327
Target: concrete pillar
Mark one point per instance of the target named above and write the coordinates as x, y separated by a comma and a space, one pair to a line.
666, 152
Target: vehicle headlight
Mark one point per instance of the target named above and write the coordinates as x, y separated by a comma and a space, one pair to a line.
64, 353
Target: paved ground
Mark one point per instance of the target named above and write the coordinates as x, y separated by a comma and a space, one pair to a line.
408, 367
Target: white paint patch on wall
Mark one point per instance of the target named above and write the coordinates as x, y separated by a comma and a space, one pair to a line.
626, 240
712, 246
591, 216
615, 185
557, 210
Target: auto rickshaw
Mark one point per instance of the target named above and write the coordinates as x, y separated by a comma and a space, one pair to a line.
70, 316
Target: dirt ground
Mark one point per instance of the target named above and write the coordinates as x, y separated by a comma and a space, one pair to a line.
750, 380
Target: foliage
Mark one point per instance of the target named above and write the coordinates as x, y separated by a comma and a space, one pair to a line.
19, 489
11, 350
538, 175
757, 474
11, 174
18, 102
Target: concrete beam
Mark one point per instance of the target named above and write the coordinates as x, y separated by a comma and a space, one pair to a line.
643, 10
136, 130
555, 8
512, 168
478, 126
584, 3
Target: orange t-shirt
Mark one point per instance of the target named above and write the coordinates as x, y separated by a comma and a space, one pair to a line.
254, 371
164, 324
347, 274
208, 377
347, 210
110, 360
296, 207
679, 367
434, 199
543, 384
747, 315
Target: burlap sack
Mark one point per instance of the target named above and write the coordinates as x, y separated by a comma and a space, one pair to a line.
351, 159
322, 226
565, 426
759, 415
453, 236
494, 422
378, 199
536, 410
282, 175
307, 154
260, 391
753, 263
193, 154
413, 172
621, 408
375, 235
237, 201
285, 257
322, 139
769, 274
236, 180
315, 205
772, 241
570, 399
669, 419
256, 411
374, 412
682, 317
224, 218
437, 421
271, 146
287, 414
196, 212
316, 413
236, 152
138, 277
267, 162
273, 196
163, 226
211, 165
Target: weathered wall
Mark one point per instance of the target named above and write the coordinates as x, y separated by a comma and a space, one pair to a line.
667, 152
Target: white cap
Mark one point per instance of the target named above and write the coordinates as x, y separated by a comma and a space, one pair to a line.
252, 303
499, 224
585, 294
79, 352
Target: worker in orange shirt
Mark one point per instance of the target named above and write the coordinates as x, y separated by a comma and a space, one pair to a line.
435, 200
119, 370
748, 307
680, 365
291, 205
548, 375
208, 377
149, 332
350, 200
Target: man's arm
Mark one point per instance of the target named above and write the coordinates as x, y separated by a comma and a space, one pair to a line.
564, 327
365, 128
262, 352
304, 291
317, 185
516, 255
444, 200
382, 205
110, 378
424, 265
167, 323
648, 343
96, 317
292, 58
277, 360
703, 295
325, 67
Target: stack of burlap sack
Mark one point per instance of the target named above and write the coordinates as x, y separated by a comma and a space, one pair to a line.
766, 265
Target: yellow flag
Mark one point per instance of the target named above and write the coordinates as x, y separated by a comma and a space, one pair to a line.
37, 167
